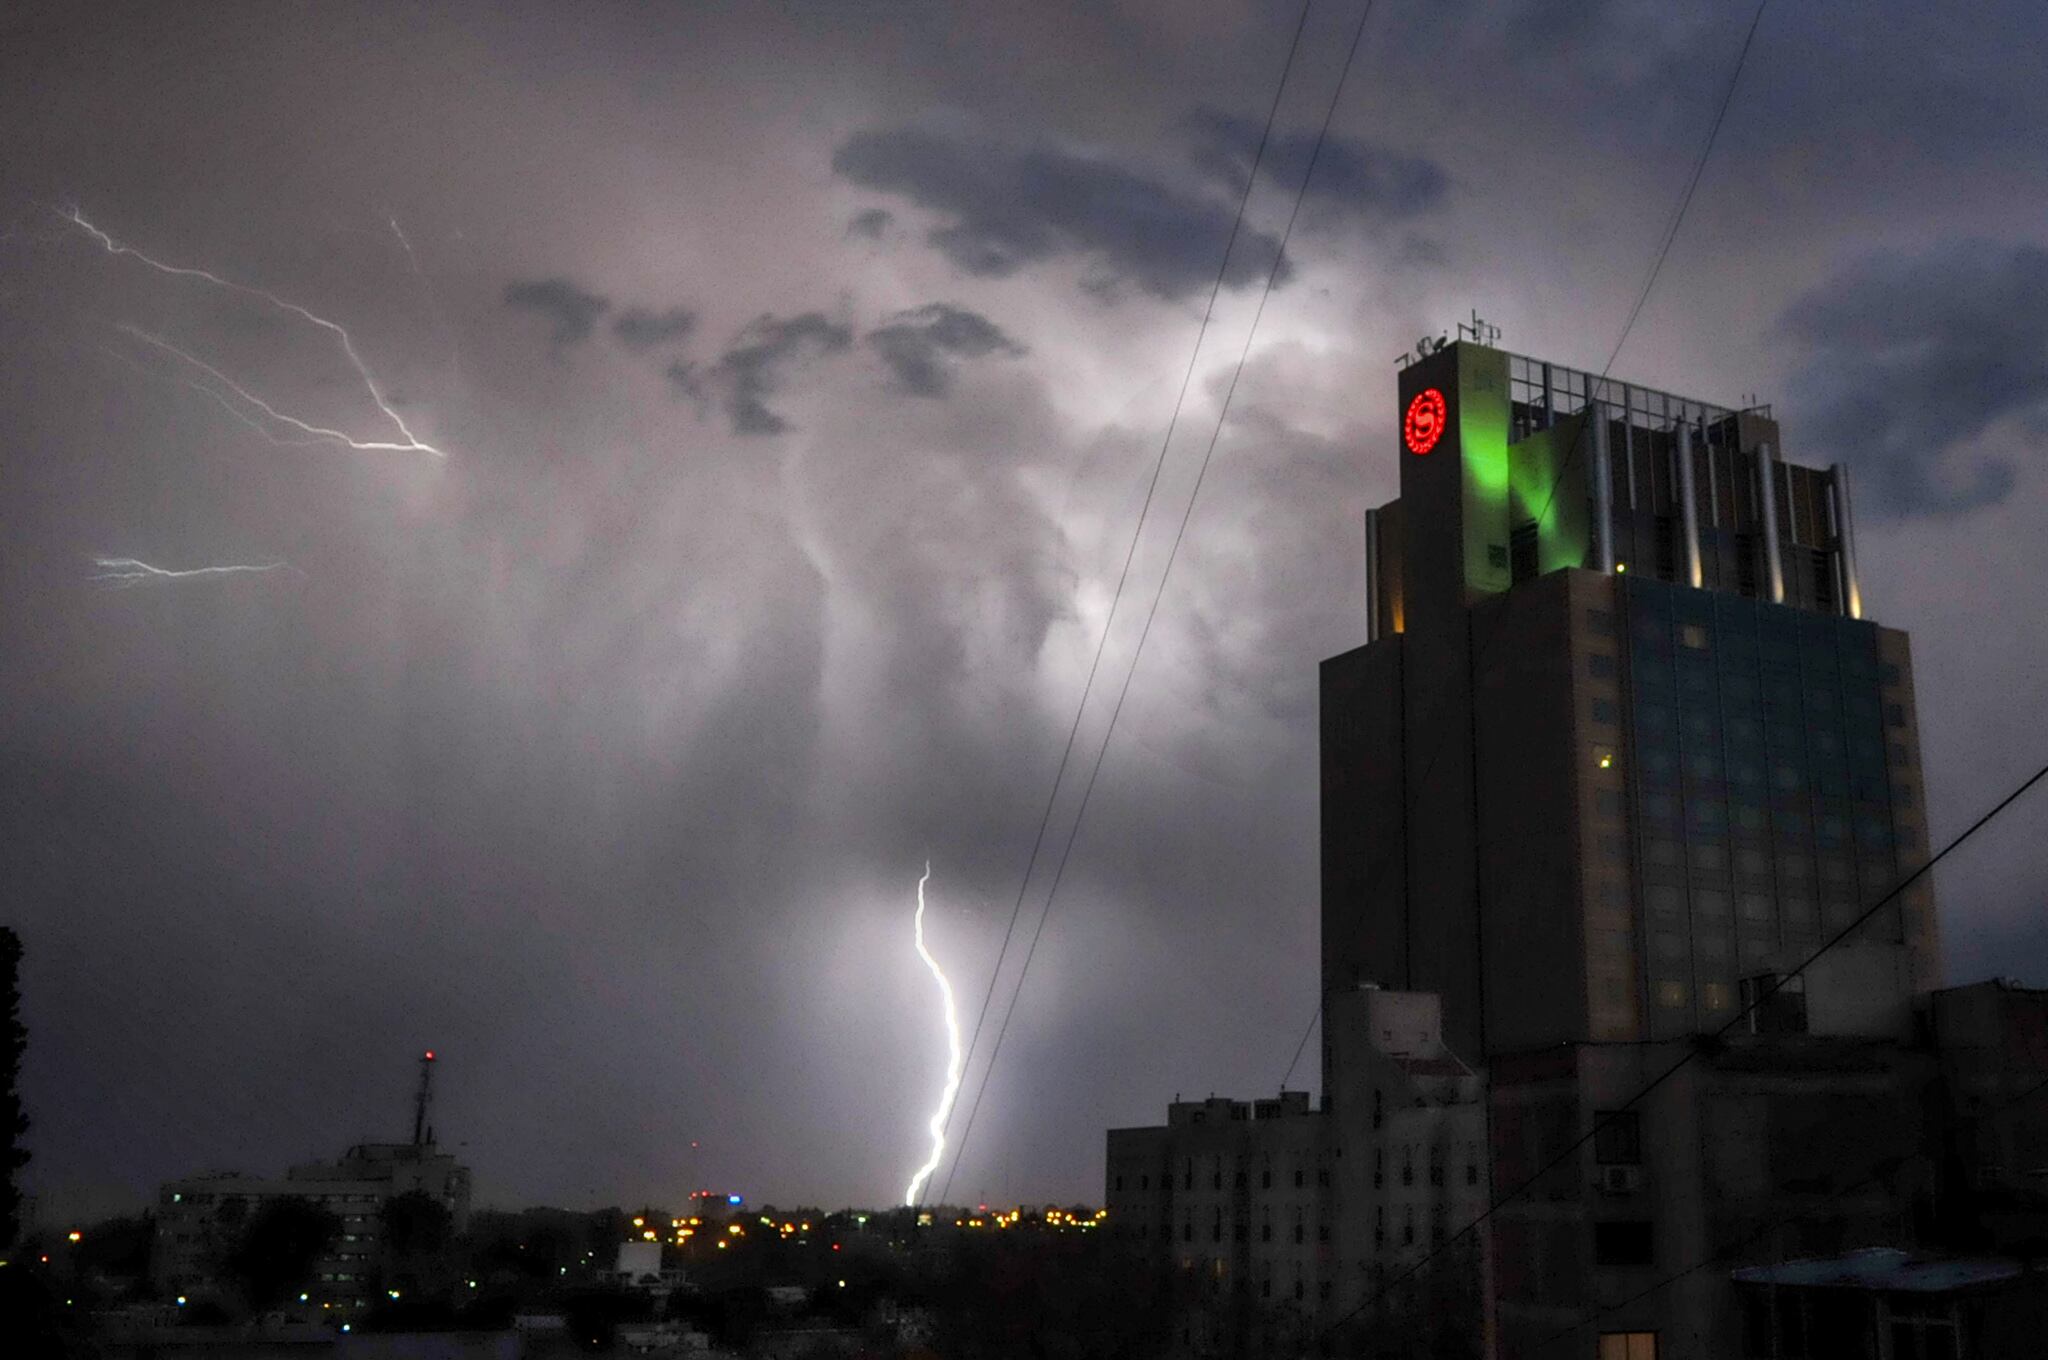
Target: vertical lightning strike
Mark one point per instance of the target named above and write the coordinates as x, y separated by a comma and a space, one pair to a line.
408, 443
953, 1061
123, 573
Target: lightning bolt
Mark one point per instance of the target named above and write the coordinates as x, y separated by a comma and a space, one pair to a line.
125, 573
408, 442
952, 1089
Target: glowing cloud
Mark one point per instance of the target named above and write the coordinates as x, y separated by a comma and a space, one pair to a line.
953, 1059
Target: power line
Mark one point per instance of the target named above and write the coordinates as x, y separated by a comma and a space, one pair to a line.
1301, 1047
1685, 200
1572, 452
1152, 613
1727, 1249
1763, 995
1130, 554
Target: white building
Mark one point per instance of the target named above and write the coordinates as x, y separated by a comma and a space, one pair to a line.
199, 1217
1278, 1219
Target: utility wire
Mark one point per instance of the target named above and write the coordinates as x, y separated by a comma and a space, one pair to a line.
1130, 554
1722, 1253
1763, 995
1572, 453
1152, 613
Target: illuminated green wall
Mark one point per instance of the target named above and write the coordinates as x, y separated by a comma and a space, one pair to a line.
1482, 410
1547, 475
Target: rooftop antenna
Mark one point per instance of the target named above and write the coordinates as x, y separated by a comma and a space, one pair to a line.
422, 1136
1478, 329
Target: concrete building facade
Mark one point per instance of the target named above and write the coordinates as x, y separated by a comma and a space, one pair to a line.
1280, 1220
1625, 782
199, 1218
1621, 739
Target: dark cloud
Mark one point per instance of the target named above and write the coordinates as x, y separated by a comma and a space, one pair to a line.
919, 345
573, 311
1373, 183
1917, 362
643, 329
870, 223
752, 368
1009, 207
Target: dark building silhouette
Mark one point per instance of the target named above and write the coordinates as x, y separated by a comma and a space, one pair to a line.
1621, 741
1620, 760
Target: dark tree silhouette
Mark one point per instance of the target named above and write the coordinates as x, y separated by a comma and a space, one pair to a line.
415, 1224
279, 1248
13, 1118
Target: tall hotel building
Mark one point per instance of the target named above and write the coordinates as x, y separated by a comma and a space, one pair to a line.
1621, 741
1620, 756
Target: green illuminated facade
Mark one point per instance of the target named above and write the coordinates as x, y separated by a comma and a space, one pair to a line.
1620, 743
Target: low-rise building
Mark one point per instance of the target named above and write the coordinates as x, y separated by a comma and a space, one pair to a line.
199, 1218
1279, 1219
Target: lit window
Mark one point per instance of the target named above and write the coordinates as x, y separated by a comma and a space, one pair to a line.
1628, 1346
1670, 993
1693, 635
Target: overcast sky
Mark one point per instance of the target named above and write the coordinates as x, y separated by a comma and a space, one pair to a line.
779, 385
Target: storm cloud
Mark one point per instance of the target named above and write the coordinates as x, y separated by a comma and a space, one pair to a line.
870, 223
920, 346
753, 368
1370, 183
1921, 367
1005, 208
573, 311
640, 328
604, 754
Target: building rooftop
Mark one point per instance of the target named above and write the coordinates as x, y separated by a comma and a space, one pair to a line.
1886, 1268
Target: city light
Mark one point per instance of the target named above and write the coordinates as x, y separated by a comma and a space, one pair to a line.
74, 1235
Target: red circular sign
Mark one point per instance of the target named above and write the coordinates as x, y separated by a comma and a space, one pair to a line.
1424, 423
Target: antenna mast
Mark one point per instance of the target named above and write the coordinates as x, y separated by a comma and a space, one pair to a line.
421, 1134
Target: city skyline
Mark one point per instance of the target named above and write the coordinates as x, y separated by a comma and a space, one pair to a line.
797, 381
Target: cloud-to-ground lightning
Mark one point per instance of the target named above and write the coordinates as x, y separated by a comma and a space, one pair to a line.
122, 573
407, 442
953, 1057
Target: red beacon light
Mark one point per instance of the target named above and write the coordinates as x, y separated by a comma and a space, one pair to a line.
428, 1055
1424, 423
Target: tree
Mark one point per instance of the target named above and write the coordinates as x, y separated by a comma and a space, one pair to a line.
416, 1232
415, 1224
13, 1118
118, 1248
275, 1257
